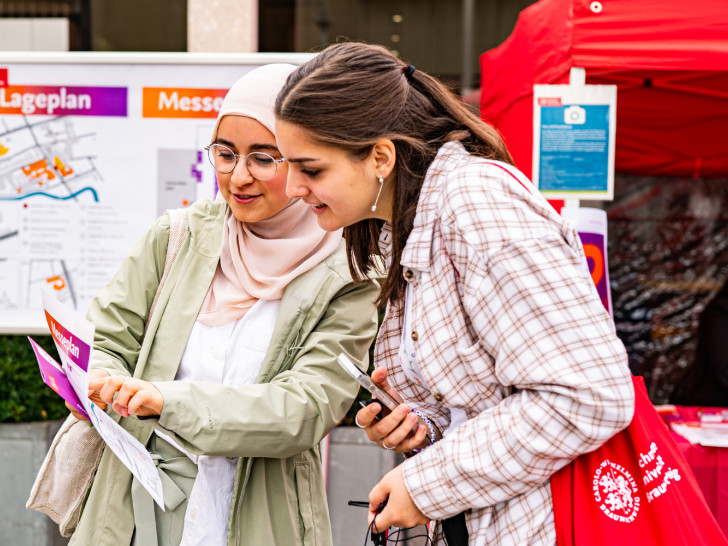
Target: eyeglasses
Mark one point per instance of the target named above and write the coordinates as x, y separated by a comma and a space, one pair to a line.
261, 166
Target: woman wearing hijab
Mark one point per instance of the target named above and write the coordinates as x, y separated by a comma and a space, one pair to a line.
236, 374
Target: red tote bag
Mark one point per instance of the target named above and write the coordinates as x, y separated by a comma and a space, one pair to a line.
635, 489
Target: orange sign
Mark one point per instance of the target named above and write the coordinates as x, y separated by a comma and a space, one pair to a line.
171, 102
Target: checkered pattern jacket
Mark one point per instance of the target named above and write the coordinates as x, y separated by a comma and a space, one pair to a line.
507, 326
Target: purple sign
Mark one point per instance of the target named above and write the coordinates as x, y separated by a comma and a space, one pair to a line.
47, 100
595, 251
54, 377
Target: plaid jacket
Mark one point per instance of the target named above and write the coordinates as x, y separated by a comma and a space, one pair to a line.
507, 326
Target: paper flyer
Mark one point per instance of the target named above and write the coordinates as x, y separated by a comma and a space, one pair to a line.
73, 336
74, 350
705, 434
54, 376
574, 135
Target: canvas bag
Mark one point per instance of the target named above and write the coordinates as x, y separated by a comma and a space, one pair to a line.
635, 489
70, 465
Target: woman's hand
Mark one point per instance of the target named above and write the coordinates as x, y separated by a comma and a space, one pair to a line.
400, 510
75, 413
133, 396
96, 380
397, 430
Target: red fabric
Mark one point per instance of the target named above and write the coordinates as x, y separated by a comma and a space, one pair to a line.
651, 34
635, 489
710, 467
668, 59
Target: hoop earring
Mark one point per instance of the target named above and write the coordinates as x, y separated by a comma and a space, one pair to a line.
380, 178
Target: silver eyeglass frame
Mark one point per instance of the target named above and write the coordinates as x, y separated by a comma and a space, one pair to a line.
246, 156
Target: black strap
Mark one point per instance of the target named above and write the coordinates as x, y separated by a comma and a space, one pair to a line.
456, 532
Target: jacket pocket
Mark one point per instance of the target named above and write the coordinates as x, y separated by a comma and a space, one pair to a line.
306, 504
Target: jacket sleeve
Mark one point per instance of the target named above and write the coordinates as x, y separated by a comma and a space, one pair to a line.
120, 310
296, 409
551, 343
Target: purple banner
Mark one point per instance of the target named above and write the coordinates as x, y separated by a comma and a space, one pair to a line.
594, 249
51, 100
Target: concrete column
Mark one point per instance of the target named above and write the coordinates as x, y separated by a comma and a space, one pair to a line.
355, 466
222, 26
23, 447
466, 77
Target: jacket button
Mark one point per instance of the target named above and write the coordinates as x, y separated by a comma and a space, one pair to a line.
408, 274
437, 396
414, 336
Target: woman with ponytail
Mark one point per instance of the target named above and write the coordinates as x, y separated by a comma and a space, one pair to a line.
493, 333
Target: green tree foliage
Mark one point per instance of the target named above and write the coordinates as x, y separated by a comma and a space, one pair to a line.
23, 395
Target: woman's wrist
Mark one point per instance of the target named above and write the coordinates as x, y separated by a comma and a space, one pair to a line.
432, 431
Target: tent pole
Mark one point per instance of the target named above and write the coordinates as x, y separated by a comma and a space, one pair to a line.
466, 77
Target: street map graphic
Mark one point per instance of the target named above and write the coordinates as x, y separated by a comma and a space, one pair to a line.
46, 159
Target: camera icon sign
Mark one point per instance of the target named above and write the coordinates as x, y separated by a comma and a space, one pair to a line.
575, 115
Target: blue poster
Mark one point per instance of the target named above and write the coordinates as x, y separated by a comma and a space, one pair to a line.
574, 148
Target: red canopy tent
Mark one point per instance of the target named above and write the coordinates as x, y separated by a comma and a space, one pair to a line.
668, 58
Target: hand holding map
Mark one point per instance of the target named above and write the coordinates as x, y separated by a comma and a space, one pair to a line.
73, 337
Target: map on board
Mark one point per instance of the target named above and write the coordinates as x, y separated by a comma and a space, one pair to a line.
45, 156
41, 158
92, 150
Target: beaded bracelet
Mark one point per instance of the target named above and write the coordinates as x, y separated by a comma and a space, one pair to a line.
430, 426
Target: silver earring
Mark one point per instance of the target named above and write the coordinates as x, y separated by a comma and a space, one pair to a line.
380, 178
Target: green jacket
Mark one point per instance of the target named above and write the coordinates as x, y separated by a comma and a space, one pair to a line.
274, 426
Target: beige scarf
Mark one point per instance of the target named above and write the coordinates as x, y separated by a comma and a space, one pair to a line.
259, 260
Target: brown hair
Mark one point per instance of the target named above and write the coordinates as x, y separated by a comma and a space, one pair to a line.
350, 96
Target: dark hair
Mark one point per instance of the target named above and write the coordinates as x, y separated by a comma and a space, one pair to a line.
350, 96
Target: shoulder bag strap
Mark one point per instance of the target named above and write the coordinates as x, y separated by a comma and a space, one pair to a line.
178, 228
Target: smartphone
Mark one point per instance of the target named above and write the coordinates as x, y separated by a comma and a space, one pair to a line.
377, 392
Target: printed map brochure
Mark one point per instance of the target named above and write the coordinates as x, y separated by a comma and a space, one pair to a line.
73, 336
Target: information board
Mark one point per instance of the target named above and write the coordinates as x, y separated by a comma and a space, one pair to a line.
574, 137
94, 147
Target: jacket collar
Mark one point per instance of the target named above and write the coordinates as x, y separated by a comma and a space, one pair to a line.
206, 217
304, 302
418, 250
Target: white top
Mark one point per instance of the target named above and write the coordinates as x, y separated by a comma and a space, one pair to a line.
411, 368
231, 354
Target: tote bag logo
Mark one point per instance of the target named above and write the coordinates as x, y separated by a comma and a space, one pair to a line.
615, 490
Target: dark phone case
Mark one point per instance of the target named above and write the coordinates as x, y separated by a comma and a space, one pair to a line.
382, 413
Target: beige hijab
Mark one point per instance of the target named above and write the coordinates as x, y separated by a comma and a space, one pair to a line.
259, 259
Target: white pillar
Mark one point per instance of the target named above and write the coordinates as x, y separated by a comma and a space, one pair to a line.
222, 26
